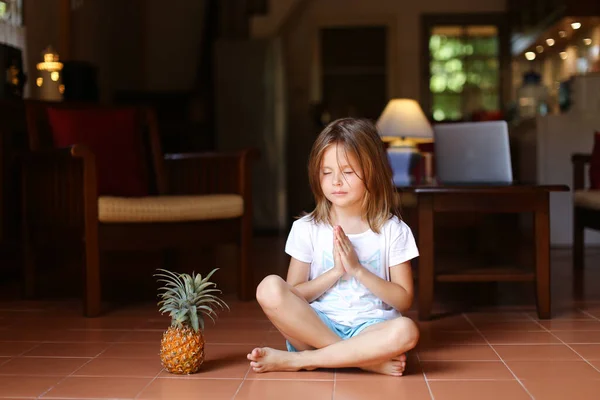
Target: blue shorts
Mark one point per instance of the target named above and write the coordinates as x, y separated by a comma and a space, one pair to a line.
343, 331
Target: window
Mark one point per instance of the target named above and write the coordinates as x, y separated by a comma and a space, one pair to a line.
11, 11
463, 70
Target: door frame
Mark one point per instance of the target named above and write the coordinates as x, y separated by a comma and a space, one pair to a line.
354, 21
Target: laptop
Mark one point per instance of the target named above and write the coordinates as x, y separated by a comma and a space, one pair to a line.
473, 153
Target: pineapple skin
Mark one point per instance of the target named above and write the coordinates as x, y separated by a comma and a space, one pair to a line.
182, 350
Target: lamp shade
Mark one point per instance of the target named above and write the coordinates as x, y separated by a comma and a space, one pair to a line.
404, 118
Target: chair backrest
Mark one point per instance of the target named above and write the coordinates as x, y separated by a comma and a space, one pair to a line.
119, 136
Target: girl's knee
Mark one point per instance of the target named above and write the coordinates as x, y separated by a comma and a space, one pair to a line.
405, 333
270, 291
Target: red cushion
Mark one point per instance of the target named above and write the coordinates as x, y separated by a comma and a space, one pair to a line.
114, 138
595, 164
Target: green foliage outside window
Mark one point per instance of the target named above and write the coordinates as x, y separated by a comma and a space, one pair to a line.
464, 72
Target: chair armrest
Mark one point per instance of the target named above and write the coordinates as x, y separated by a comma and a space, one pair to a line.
579, 161
59, 186
210, 172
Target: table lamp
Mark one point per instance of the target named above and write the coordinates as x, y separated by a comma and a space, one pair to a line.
401, 121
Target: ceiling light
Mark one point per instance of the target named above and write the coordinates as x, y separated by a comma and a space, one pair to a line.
576, 25
530, 55
550, 42
563, 55
539, 48
587, 41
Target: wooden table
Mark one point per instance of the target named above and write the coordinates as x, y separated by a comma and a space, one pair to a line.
516, 198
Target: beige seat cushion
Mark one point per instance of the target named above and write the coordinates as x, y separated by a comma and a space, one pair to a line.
587, 199
169, 208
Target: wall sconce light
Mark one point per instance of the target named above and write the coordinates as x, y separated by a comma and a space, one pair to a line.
49, 82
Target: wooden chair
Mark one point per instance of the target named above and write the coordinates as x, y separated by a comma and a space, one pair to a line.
586, 208
193, 199
12, 144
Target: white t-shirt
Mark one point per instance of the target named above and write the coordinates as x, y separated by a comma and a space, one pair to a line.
348, 302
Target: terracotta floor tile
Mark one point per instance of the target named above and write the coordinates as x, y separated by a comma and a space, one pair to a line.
508, 326
5, 322
559, 315
498, 316
184, 389
595, 364
459, 353
132, 350
274, 339
26, 386
238, 336
449, 338
573, 325
117, 355
477, 390
466, 370
60, 335
453, 323
233, 323
579, 337
101, 387
553, 370
561, 389
121, 367
393, 389
538, 352
284, 389
32, 366
16, 348
103, 323
141, 336
67, 350
518, 337
587, 351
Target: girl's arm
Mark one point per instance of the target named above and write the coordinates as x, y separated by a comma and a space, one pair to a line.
298, 273
398, 292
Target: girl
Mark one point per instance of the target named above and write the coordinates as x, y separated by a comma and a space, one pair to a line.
350, 276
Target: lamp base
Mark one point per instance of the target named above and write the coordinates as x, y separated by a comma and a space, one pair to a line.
403, 161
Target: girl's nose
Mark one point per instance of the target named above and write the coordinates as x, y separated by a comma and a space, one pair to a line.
337, 179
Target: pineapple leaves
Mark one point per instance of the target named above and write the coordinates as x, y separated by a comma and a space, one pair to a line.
194, 318
186, 298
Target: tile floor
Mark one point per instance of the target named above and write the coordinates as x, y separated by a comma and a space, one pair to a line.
47, 350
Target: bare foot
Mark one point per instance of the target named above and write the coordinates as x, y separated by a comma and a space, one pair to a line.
266, 359
393, 367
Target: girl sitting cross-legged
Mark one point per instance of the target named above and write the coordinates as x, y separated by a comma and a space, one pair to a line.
349, 277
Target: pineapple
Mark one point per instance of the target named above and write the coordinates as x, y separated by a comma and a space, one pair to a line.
186, 298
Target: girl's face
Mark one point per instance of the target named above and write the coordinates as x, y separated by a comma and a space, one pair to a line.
341, 178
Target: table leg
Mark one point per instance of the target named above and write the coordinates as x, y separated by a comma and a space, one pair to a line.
426, 251
542, 255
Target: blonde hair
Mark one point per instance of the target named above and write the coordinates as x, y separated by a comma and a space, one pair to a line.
358, 137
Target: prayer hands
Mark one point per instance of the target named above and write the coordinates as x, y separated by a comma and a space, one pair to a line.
344, 253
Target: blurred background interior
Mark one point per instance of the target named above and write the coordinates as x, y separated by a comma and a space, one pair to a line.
139, 134
224, 75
